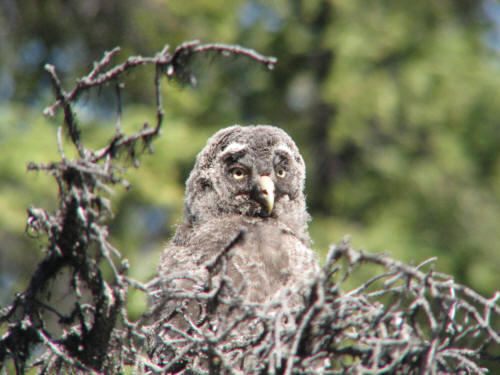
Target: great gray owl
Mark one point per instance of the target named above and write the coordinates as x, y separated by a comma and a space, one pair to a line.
245, 196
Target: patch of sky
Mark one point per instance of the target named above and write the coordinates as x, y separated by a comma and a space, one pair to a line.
253, 12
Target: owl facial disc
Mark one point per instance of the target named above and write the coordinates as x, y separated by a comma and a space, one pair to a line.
267, 187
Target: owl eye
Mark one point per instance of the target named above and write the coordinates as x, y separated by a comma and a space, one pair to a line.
280, 172
238, 173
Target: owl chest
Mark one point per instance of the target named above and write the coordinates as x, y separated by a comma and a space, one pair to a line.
260, 264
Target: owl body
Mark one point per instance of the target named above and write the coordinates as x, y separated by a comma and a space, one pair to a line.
243, 239
248, 179
268, 256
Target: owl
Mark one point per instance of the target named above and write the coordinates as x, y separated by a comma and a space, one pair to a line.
244, 210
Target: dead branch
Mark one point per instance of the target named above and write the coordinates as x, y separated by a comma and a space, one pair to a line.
404, 320
96, 335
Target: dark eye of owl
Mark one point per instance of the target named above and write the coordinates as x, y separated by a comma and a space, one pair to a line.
238, 173
280, 172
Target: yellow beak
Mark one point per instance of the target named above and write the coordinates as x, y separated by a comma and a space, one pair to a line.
267, 186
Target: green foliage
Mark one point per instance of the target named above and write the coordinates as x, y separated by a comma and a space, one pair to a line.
393, 103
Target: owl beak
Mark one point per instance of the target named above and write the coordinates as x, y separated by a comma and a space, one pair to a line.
267, 186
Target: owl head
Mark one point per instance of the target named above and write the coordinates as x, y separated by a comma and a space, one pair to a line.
252, 171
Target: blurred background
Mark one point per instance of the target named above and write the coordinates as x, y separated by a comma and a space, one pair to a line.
394, 104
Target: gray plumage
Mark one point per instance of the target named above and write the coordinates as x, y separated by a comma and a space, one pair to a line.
275, 249
243, 240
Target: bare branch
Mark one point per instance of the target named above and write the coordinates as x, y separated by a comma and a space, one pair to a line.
97, 336
404, 320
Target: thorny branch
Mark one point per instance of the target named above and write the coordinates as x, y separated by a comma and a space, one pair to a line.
404, 320
95, 334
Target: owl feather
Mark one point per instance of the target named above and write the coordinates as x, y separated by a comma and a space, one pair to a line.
244, 237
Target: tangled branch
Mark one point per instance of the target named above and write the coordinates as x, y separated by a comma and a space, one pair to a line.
89, 332
403, 321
